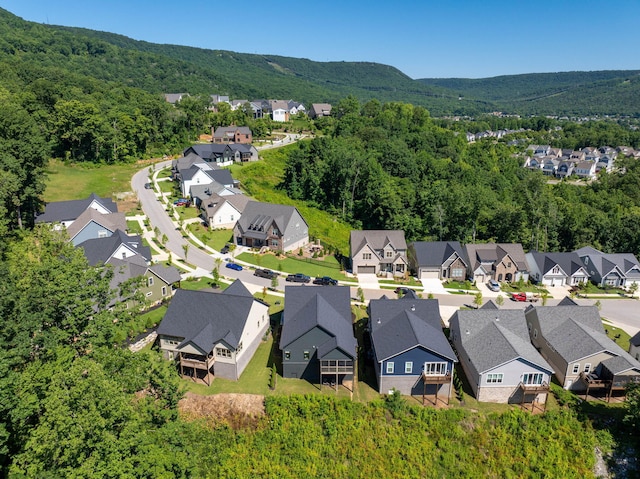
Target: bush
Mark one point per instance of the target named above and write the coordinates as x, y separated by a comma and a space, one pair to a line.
272, 379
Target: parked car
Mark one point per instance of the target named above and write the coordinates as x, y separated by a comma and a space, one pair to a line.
265, 273
182, 202
530, 297
298, 278
325, 281
493, 285
403, 290
225, 249
235, 266
148, 186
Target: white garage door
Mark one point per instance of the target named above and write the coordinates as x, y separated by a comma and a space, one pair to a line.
425, 274
367, 269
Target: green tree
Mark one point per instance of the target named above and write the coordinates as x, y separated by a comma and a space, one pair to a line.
477, 299
632, 403
500, 300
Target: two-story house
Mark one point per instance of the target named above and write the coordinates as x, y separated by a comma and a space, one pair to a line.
379, 251
232, 134
277, 227
557, 269
610, 269
64, 213
500, 262
444, 260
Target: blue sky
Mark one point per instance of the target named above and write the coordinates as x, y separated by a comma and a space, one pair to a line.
422, 38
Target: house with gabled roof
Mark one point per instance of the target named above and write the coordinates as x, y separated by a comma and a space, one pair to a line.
118, 245
174, 98
410, 351
497, 261
64, 213
585, 169
222, 211
610, 269
379, 251
232, 134
93, 224
319, 110
443, 260
317, 339
497, 357
277, 227
557, 269
573, 340
213, 334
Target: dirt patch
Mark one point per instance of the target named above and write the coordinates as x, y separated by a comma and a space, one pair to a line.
235, 410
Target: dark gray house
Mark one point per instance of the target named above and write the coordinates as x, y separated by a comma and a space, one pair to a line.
438, 259
610, 269
119, 245
410, 351
317, 340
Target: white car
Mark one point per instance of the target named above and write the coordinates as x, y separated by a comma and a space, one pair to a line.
493, 285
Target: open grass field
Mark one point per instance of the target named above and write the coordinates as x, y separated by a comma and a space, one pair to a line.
293, 265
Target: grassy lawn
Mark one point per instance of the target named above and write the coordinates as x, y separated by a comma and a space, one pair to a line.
187, 213
77, 181
261, 179
525, 287
134, 227
467, 285
167, 186
620, 337
199, 283
411, 281
276, 303
216, 239
292, 265
164, 173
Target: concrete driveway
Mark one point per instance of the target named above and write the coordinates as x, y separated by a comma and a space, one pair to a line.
433, 285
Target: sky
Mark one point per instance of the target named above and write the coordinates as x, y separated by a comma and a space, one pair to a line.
422, 38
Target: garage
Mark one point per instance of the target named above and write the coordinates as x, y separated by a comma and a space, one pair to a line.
366, 270
429, 274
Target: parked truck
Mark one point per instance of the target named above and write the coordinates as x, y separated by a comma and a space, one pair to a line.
528, 297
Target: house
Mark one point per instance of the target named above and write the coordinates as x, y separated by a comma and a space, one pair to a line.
232, 134
277, 227
443, 260
157, 282
565, 168
242, 153
634, 346
212, 153
585, 169
213, 334
317, 340
196, 176
606, 163
174, 98
222, 211
557, 269
295, 107
410, 351
497, 261
118, 245
319, 110
92, 224
610, 269
64, 213
550, 166
379, 251
573, 340
534, 163
497, 357
279, 110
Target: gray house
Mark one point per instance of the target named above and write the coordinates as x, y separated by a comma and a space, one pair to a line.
119, 245
634, 346
410, 351
66, 212
438, 259
497, 357
93, 224
610, 269
498, 261
573, 340
557, 269
317, 340
213, 334
277, 227
379, 251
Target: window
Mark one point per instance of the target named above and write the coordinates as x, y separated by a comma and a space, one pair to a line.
274, 242
532, 378
435, 369
164, 291
457, 273
149, 293
509, 264
389, 367
231, 217
494, 378
239, 348
576, 368
275, 232
223, 352
102, 234
389, 254
366, 255
305, 355
556, 270
287, 355
150, 280
408, 367
587, 368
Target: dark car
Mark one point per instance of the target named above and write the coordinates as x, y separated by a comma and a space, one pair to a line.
225, 249
148, 186
325, 281
402, 290
265, 273
235, 266
298, 278
181, 202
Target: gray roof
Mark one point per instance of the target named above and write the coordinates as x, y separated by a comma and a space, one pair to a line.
229, 131
479, 253
635, 340
489, 305
328, 308
620, 364
435, 253
492, 338
99, 250
257, 215
110, 221
134, 267
213, 202
207, 151
187, 161
569, 262
377, 239
604, 263
59, 211
205, 318
398, 325
575, 332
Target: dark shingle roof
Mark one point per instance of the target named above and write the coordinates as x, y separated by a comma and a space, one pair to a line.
328, 308
636, 339
99, 250
110, 221
205, 318
258, 214
434, 253
495, 337
570, 263
59, 211
377, 239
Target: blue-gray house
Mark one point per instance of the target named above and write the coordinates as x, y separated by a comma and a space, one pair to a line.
411, 352
317, 339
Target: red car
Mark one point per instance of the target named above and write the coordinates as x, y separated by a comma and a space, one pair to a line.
519, 297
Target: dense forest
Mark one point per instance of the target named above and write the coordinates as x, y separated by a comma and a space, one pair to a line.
391, 166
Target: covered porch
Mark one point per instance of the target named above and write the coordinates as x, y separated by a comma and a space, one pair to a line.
197, 367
